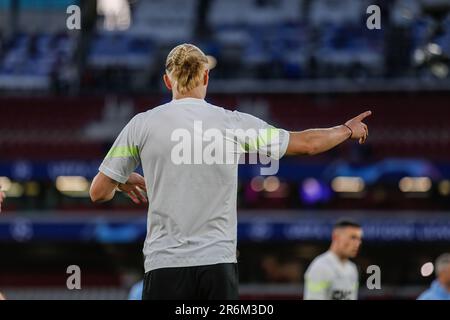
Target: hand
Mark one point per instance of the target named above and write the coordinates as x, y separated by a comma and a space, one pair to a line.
134, 188
359, 129
2, 197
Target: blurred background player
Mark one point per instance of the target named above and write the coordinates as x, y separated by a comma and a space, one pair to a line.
440, 288
332, 276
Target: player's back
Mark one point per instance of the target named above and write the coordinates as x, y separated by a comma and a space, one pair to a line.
189, 151
192, 199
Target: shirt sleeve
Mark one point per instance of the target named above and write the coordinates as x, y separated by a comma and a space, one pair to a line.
427, 295
257, 136
317, 283
123, 157
136, 291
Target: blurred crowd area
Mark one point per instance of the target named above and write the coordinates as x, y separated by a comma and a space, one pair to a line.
123, 47
298, 64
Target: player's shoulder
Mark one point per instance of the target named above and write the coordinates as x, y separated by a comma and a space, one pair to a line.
322, 262
142, 116
236, 118
427, 295
232, 118
218, 109
157, 109
319, 269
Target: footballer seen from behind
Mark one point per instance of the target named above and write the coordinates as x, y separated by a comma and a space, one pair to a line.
190, 248
331, 275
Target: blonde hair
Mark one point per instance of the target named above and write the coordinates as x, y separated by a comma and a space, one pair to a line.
185, 65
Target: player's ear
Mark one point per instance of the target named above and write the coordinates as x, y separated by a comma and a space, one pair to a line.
167, 81
335, 234
206, 77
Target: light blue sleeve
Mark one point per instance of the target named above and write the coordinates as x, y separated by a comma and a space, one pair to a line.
136, 291
427, 295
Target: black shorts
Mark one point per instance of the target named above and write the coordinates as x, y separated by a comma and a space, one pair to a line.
210, 282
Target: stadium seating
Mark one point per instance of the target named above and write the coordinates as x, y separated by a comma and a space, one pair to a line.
57, 128
32, 62
286, 39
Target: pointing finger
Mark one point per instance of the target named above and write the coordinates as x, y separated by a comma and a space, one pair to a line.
364, 115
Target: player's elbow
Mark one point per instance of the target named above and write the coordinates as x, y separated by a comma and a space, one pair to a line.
96, 194
102, 188
95, 197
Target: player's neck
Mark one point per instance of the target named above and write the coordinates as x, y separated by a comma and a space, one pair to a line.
196, 93
341, 257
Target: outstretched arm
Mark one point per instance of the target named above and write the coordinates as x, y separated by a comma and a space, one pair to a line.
103, 188
315, 141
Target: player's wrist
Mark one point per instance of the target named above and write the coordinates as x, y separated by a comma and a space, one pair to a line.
347, 128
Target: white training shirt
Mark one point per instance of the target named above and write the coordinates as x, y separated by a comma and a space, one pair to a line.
192, 207
329, 278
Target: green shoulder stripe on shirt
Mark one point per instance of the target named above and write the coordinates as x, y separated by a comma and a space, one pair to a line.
123, 152
264, 138
317, 286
